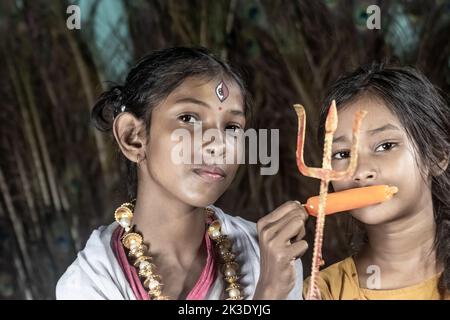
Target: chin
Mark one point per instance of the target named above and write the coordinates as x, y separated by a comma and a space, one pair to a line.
374, 215
366, 217
200, 199
201, 203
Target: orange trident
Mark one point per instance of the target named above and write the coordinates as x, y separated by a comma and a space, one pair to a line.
325, 174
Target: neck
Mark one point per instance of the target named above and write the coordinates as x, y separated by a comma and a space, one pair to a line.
174, 230
404, 247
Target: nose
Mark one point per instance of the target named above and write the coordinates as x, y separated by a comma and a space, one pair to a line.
215, 145
365, 173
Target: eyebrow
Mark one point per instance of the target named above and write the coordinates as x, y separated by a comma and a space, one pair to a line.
237, 113
194, 101
383, 128
371, 132
204, 104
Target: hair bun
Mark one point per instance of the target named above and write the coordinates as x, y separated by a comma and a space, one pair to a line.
104, 110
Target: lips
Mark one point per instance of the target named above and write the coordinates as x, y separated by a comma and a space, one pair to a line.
210, 173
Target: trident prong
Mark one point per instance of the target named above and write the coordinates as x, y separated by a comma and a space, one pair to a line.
325, 174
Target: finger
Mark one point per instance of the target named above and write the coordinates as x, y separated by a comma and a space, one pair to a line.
300, 235
297, 249
279, 212
302, 232
296, 207
288, 227
305, 213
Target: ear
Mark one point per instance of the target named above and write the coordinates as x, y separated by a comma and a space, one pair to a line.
130, 135
441, 167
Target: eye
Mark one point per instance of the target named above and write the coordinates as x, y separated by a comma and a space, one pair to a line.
385, 146
340, 155
188, 118
234, 127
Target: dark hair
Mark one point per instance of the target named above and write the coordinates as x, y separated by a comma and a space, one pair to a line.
151, 80
424, 114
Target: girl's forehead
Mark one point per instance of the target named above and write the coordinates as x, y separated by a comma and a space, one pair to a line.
378, 114
205, 83
216, 90
202, 93
379, 118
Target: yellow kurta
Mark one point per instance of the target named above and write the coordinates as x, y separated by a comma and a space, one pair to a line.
340, 282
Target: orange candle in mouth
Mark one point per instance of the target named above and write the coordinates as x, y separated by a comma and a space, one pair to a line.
351, 199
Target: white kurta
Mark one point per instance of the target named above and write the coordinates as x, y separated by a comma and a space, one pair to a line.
96, 273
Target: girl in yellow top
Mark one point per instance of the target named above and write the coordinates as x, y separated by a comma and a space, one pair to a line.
405, 142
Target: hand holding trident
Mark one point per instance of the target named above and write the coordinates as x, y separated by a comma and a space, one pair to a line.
325, 174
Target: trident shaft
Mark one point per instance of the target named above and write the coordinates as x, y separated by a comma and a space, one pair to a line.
325, 174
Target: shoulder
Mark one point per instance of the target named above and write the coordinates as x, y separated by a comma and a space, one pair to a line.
338, 269
338, 281
236, 225
242, 232
246, 244
95, 273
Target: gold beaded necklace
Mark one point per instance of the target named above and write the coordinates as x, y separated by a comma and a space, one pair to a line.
134, 242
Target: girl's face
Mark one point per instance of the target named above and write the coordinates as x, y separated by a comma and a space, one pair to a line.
196, 105
386, 156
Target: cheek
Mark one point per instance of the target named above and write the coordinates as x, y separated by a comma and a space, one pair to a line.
160, 149
400, 167
231, 170
409, 180
339, 165
234, 150
162, 152
341, 185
